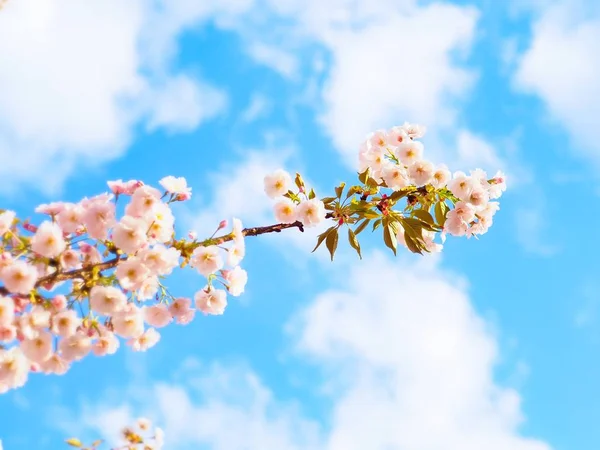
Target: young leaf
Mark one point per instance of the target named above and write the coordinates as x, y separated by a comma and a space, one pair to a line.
74, 442
364, 176
354, 242
376, 224
413, 244
332, 241
389, 237
299, 181
370, 214
362, 226
339, 190
322, 237
440, 210
327, 200
311, 194
424, 216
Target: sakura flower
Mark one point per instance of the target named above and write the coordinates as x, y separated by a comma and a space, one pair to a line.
145, 341
148, 289
211, 301
409, 152
69, 260
106, 344
160, 223
7, 312
14, 367
463, 211
55, 364
285, 211
311, 212
157, 316
181, 310
143, 201
207, 260
131, 273
6, 220
237, 231
478, 197
177, 186
98, 217
421, 172
395, 177
497, 185
65, 323
378, 139
413, 130
159, 259
397, 136
129, 322
75, 347
455, 226
277, 183
441, 176
90, 254
70, 219
39, 348
8, 334
51, 209
236, 280
236, 253
130, 234
48, 240
461, 185
107, 299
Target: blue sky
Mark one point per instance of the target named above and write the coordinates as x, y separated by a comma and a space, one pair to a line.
493, 345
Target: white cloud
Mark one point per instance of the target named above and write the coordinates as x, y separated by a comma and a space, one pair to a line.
281, 61
259, 106
562, 67
410, 350
408, 364
70, 92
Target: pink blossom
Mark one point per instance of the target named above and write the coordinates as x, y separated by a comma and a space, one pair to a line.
7, 311
48, 240
236, 280
455, 226
395, 177
235, 254
120, 187
211, 301
107, 344
421, 172
131, 273
129, 234
408, 152
207, 260
441, 176
129, 322
148, 289
159, 259
107, 299
70, 219
160, 222
311, 212
177, 186
463, 211
379, 139
157, 316
59, 302
65, 323
14, 367
51, 209
8, 334
397, 136
69, 260
98, 217
277, 183
39, 348
6, 221
55, 364
143, 201
145, 341
75, 347
181, 310
91, 255
461, 185
413, 130
285, 211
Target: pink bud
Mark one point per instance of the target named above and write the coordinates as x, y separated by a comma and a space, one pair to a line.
223, 224
30, 227
59, 302
192, 235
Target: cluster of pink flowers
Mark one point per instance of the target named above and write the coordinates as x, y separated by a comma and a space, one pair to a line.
84, 278
289, 208
395, 158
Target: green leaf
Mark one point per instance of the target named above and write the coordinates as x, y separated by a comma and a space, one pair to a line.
354, 242
370, 214
376, 224
424, 216
440, 211
331, 242
74, 442
339, 190
397, 195
364, 176
299, 181
311, 194
389, 237
413, 227
327, 200
413, 245
322, 237
362, 226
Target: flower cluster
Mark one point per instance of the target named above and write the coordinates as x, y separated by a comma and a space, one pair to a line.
437, 201
291, 207
84, 277
141, 436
